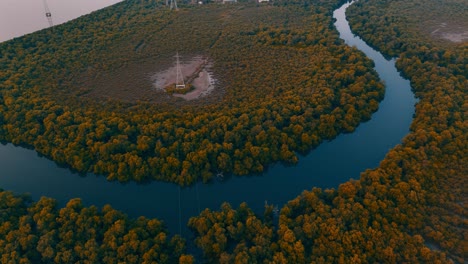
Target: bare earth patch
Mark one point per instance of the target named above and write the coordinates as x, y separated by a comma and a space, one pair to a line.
456, 34
457, 38
196, 71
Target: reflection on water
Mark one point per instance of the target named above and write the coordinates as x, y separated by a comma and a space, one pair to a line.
327, 166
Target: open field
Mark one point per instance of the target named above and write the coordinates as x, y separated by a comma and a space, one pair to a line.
442, 20
145, 82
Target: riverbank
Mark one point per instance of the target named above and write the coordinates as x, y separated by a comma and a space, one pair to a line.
327, 166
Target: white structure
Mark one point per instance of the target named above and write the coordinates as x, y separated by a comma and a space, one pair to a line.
229, 1
48, 14
174, 5
263, 1
179, 84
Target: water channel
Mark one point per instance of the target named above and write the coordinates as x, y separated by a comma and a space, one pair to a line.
332, 163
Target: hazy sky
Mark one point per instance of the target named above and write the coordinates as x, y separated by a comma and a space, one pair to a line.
19, 17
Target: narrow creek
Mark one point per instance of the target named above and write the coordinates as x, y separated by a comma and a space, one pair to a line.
332, 163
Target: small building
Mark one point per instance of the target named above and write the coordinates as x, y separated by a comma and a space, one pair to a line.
263, 1
229, 1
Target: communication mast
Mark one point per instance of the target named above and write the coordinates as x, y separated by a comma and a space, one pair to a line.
48, 14
180, 84
174, 5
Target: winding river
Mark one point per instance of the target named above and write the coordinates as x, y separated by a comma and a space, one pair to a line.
332, 163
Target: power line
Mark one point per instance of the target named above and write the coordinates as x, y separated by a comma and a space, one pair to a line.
174, 5
48, 14
180, 84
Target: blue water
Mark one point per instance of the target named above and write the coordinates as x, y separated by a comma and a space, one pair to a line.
332, 163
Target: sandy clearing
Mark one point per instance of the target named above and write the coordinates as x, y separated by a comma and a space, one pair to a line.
456, 37
454, 33
204, 83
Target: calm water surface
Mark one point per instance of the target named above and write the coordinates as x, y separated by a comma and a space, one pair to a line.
332, 163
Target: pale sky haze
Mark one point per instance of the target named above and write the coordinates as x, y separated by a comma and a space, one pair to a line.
20, 17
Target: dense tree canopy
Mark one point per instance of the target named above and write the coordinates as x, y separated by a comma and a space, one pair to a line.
435, 154
40, 232
412, 209
82, 95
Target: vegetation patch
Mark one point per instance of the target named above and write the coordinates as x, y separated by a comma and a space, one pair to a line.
172, 89
441, 23
412, 209
45, 233
84, 93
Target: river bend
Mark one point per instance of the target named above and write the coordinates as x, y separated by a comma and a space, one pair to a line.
327, 166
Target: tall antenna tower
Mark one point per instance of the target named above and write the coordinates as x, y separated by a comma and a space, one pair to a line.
48, 14
180, 84
174, 5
